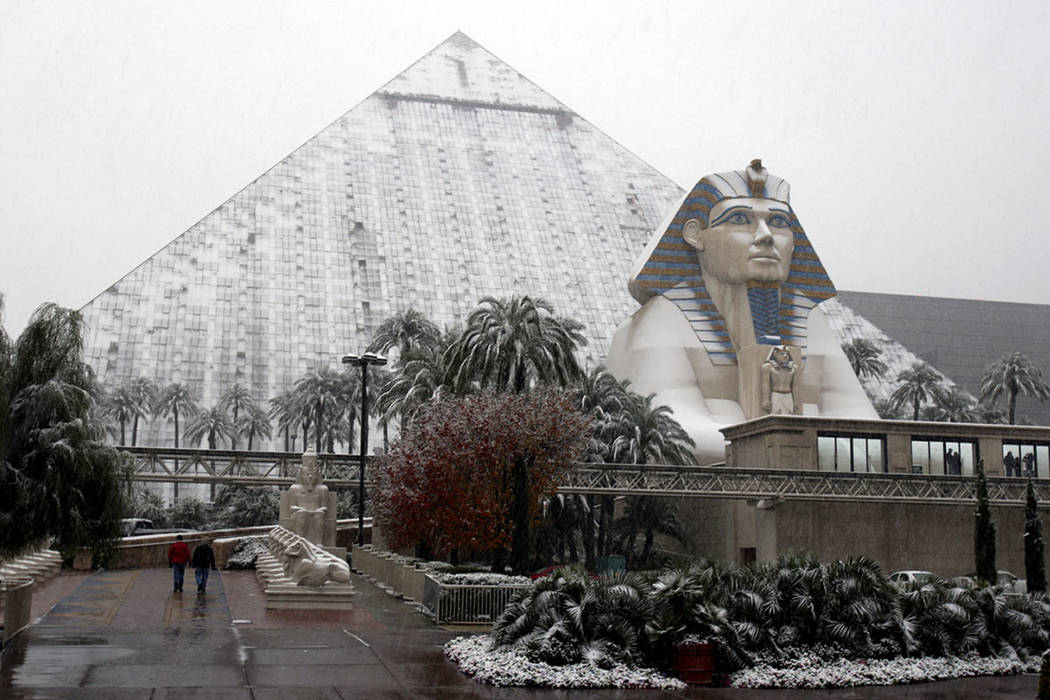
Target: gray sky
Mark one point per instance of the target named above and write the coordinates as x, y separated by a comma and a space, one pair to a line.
915, 135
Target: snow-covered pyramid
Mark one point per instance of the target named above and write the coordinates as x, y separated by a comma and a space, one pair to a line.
457, 179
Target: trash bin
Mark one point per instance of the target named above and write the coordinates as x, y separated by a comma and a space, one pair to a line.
611, 563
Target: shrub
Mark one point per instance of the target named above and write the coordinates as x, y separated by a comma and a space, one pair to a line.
247, 506
467, 469
189, 513
146, 503
245, 552
568, 616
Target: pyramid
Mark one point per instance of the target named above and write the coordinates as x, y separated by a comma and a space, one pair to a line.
458, 179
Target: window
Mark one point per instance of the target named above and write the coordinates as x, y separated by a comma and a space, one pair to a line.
1026, 459
943, 457
851, 453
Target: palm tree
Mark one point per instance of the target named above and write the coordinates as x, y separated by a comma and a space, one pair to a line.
236, 399
886, 410
990, 413
290, 414
255, 422
1013, 374
648, 516
647, 434
514, 344
863, 356
955, 406
627, 429
422, 374
120, 405
213, 423
175, 399
405, 330
145, 393
318, 393
604, 397
917, 385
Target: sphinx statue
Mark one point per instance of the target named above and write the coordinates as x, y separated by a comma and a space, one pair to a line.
730, 326
308, 508
304, 563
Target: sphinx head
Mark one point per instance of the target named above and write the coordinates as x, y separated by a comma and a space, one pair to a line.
735, 227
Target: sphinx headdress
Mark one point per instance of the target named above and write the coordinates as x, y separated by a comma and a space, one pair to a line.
670, 266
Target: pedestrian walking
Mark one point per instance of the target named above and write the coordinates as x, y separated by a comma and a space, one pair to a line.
203, 562
178, 557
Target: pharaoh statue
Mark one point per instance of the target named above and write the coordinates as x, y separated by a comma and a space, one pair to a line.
778, 381
730, 277
308, 508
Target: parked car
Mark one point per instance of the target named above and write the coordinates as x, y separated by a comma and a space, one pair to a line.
135, 526
910, 578
1012, 583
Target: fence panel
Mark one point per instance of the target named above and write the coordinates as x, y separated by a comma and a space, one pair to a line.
18, 604
468, 604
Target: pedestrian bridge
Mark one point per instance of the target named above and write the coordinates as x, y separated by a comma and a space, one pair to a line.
341, 471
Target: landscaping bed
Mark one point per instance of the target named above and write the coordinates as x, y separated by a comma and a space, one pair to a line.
793, 623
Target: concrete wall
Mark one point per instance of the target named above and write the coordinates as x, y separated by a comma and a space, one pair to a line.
937, 538
790, 442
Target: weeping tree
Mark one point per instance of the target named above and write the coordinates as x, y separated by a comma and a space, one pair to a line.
58, 480
984, 530
1034, 561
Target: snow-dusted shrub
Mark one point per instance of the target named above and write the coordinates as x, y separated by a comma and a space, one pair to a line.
479, 657
811, 671
245, 552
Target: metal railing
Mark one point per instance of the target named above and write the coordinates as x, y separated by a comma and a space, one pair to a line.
278, 468
721, 482
449, 604
184, 465
467, 604
17, 597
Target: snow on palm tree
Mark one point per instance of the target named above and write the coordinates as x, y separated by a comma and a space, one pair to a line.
1012, 375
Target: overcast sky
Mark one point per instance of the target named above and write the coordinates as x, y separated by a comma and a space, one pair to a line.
915, 135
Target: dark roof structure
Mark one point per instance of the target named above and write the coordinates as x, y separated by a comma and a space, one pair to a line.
457, 179
962, 337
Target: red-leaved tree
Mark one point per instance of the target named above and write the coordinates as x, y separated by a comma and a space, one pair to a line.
465, 465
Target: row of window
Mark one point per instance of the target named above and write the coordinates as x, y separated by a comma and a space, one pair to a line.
866, 453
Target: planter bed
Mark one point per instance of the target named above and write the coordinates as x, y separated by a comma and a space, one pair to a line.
475, 657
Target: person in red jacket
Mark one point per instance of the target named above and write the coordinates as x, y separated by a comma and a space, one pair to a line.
178, 557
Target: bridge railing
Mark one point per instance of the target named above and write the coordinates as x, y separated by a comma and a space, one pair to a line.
722, 482
341, 471
170, 465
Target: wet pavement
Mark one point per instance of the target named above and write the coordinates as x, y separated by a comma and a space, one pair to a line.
124, 634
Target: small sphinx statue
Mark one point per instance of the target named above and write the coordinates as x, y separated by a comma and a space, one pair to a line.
303, 563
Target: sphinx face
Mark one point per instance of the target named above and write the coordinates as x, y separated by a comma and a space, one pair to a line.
747, 240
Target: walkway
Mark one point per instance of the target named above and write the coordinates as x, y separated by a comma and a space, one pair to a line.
124, 634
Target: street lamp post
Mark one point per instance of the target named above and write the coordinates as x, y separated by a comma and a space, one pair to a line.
363, 361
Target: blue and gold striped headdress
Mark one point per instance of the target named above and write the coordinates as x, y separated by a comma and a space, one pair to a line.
670, 266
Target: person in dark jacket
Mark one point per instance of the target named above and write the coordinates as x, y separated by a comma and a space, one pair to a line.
178, 557
203, 562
